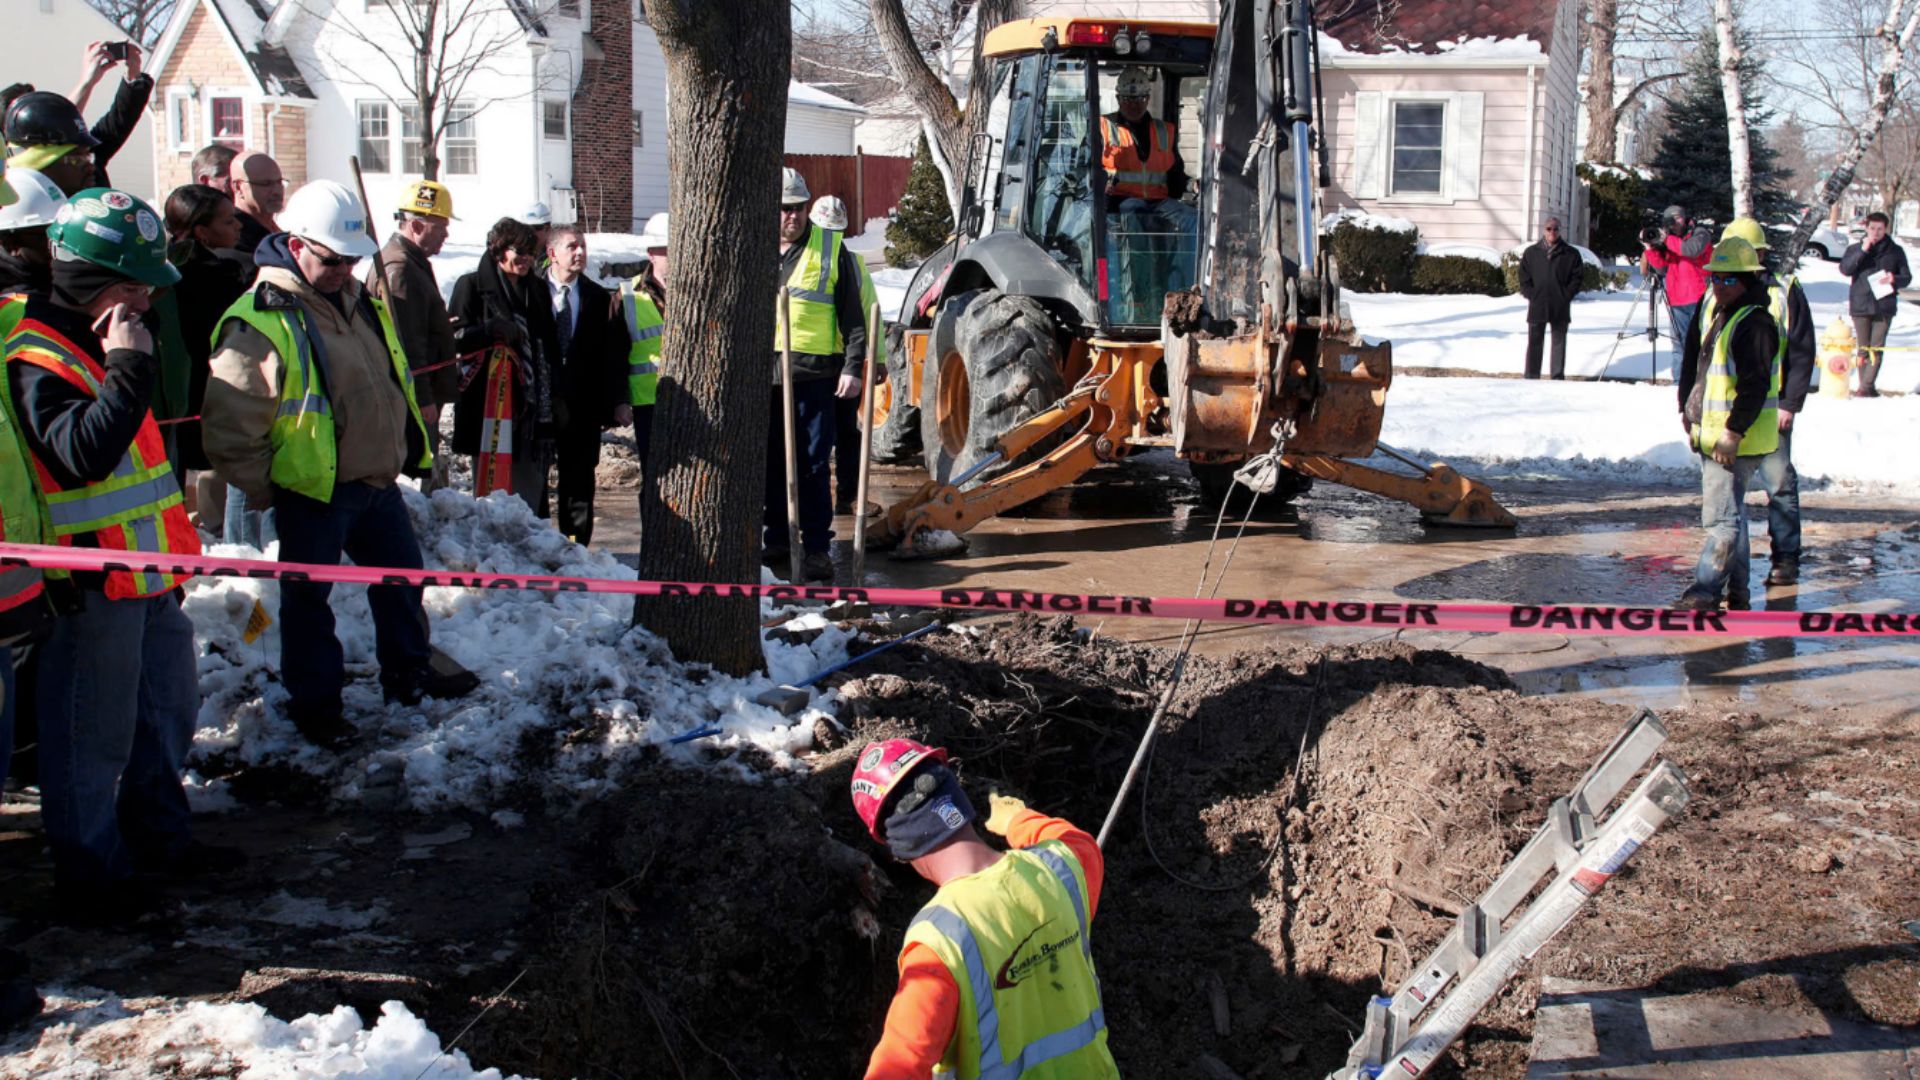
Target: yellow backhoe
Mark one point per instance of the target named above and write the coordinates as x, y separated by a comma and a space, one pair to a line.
1073, 321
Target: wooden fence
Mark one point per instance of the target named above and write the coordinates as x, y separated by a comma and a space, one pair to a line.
870, 184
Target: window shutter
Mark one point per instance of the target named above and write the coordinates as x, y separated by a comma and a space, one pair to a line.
1463, 144
1369, 145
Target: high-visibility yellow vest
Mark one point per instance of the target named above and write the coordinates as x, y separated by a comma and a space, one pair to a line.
868, 298
138, 506
1014, 937
1776, 304
21, 519
305, 455
1717, 400
810, 293
644, 326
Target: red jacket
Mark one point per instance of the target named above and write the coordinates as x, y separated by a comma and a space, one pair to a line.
1684, 258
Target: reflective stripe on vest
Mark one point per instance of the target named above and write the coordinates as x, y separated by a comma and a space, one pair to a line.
1130, 175
644, 326
979, 1048
816, 272
138, 506
305, 453
1716, 405
21, 520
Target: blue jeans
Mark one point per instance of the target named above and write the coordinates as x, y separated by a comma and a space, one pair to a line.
243, 526
119, 695
813, 407
370, 526
1682, 316
1776, 477
1724, 558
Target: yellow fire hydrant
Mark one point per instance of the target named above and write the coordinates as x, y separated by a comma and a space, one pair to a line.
1838, 358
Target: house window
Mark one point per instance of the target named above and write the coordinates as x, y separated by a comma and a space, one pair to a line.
553, 119
179, 119
1419, 138
568, 8
412, 156
376, 145
639, 129
459, 147
227, 122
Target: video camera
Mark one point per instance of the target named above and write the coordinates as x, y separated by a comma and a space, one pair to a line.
1653, 236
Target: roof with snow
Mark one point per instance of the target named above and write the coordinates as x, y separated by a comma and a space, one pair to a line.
799, 93
1484, 29
245, 24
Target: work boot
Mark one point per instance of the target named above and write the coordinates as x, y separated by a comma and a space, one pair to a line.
1785, 572
1696, 600
322, 725
1739, 599
776, 557
817, 566
410, 688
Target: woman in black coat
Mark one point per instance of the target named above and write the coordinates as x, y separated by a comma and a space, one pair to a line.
201, 221
505, 303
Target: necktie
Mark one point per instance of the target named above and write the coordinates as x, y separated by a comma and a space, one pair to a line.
565, 319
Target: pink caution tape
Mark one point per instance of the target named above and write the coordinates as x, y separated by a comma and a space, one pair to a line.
1586, 619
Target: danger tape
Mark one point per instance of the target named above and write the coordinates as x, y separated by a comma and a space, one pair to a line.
1577, 619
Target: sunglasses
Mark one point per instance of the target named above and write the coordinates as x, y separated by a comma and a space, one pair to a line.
1728, 280
330, 260
78, 159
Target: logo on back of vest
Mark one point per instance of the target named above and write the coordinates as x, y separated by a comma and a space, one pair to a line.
1017, 967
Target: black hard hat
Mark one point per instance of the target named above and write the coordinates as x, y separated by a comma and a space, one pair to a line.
47, 119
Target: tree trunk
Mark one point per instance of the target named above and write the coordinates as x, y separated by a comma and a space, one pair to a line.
727, 64
1739, 158
1894, 44
1603, 116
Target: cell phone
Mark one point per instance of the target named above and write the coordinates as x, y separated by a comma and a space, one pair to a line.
118, 49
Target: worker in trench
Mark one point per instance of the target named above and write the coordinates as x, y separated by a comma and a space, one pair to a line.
996, 973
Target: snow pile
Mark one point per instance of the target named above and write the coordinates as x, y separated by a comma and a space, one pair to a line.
1480, 48
570, 693
1363, 220
1630, 432
100, 1038
890, 284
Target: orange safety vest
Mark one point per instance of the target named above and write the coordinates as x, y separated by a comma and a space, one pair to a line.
1129, 176
138, 507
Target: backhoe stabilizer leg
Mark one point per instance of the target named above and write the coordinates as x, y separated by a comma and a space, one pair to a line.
1441, 494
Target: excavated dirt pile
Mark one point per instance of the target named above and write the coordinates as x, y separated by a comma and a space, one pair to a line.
743, 930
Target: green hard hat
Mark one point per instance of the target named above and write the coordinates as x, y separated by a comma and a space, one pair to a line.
108, 227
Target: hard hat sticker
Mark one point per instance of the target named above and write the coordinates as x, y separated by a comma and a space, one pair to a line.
949, 813
870, 759
93, 208
149, 226
107, 233
118, 200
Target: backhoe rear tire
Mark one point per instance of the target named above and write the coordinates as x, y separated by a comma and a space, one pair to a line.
1216, 482
1002, 370
897, 440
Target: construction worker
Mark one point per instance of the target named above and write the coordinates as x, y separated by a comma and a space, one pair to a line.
1141, 156
996, 973
830, 213
26, 260
310, 410
591, 380
118, 693
1729, 389
259, 194
644, 303
538, 216
418, 311
828, 335
1787, 301
46, 133
1678, 250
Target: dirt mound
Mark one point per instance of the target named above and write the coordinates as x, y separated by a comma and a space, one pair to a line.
619, 462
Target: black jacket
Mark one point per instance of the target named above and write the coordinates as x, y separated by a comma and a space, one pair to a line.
1861, 264
252, 232
209, 283
486, 299
1802, 347
847, 309
1755, 341
1550, 279
113, 129
593, 370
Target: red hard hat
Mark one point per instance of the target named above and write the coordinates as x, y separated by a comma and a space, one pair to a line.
881, 767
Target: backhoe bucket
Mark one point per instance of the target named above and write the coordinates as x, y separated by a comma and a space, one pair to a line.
1225, 397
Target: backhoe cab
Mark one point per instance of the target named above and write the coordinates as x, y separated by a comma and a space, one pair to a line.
1078, 314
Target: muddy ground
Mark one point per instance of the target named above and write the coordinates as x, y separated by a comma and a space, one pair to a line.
698, 928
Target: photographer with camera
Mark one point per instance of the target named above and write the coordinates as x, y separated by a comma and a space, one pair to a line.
1679, 250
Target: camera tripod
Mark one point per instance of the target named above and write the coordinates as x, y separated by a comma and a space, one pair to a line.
1655, 288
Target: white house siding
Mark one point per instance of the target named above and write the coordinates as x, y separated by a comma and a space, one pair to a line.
650, 149
49, 37
515, 164
1494, 218
813, 130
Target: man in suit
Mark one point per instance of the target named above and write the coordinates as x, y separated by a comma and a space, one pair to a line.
591, 383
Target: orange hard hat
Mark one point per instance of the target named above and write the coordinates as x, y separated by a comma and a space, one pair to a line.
880, 768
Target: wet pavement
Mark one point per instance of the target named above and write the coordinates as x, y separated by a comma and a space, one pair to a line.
1138, 528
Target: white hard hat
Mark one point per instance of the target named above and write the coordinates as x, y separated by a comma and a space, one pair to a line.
36, 201
829, 213
536, 214
655, 234
1134, 82
328, 214
793, 188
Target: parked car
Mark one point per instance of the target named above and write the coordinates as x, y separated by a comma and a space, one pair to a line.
1830, 243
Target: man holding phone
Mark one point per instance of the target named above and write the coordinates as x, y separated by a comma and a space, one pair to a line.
118, 691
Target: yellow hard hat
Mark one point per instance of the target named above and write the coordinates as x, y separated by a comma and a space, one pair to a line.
426, 197
1745, 228
1733, 255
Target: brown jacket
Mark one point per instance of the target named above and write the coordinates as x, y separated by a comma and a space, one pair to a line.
370, 420
420, 318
